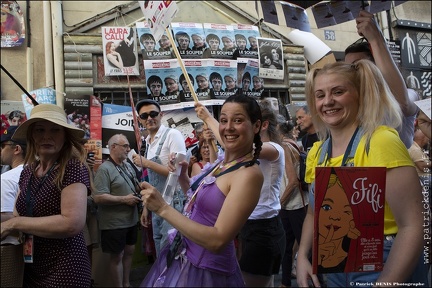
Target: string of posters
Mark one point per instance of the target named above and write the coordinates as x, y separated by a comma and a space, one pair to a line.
219, 59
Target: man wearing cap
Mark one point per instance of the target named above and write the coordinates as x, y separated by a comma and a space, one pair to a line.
12, 154
116, 194
161, 143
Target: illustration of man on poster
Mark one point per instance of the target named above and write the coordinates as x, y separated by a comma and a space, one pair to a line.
253, 42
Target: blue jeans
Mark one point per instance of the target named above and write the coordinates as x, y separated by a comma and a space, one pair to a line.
367, 279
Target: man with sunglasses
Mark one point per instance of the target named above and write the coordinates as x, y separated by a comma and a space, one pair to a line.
12, 154
373, 47
161, 143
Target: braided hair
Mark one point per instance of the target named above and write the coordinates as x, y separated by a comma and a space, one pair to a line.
253, 110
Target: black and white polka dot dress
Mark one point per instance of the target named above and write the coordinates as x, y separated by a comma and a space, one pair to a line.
61, 262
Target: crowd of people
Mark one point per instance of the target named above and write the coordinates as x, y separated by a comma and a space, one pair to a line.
239, 211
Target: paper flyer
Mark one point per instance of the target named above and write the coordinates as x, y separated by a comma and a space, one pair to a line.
199, 70
348, 219
150, 48
42, 95
159, 15
117, 119
162, 78
221, 73
12, 114
78, 113
271, 58
252, 83
220, 41
190, 39
246, 40
120, 51
183, 120
12, 24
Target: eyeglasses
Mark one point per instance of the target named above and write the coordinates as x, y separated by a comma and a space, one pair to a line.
5, 144
152, 114
126, 146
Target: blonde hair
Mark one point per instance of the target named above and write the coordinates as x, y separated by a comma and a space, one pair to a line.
377, 105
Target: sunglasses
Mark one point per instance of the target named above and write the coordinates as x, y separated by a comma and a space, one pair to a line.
152, 114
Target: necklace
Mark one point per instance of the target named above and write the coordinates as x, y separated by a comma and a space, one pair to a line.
224, 166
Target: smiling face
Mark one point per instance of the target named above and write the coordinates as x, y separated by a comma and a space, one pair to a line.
336, 100
48, 137
335, 214
235, 128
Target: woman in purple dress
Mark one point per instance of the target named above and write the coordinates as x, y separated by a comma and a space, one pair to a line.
51, 205
218, 206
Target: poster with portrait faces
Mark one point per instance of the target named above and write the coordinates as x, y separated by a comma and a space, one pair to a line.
150, 48
120, 51
162, 78
189, 38
348, 219
117, 119
246, 41
41, 95
271, 58
222, 84
252, 83
199, 71
220, 41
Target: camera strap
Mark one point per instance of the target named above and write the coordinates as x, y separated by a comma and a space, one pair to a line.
124, 171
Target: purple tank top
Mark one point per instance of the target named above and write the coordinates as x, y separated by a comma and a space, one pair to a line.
206, 209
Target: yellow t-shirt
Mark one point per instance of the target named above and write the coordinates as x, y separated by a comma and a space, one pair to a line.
386, 150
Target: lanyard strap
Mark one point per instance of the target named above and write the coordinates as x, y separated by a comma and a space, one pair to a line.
126, 171
347, 151
29, 201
